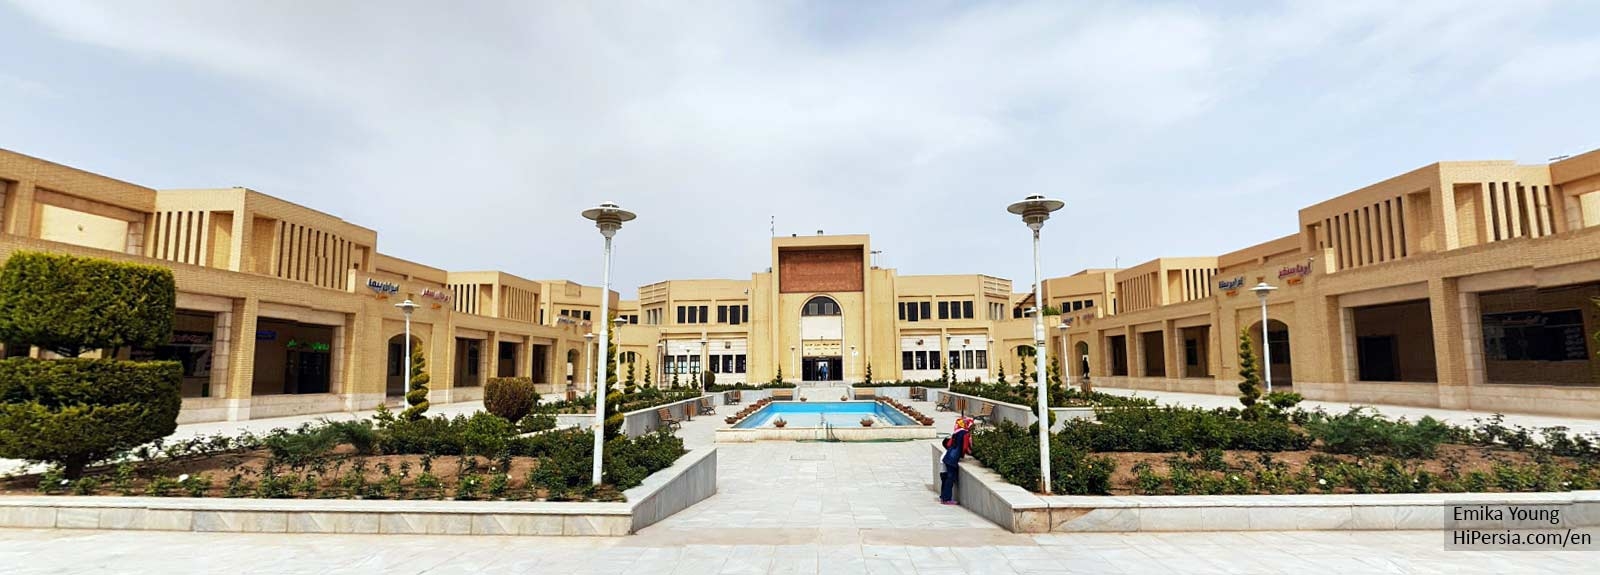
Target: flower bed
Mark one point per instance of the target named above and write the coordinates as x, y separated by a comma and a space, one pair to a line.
463, 458
908, 410
930, 384
1189, 451
748, 386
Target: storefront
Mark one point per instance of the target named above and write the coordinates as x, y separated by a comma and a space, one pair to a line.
293, 358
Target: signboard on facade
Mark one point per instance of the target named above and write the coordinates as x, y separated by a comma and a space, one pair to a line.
1231, 287
1294, 274
383, 288
820, 270
437, 295
822, 348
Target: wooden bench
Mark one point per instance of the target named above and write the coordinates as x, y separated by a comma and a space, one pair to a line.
706, 406
985, 414
667, 420
868, 393
947, 402
732, 397
781, 394
919, 394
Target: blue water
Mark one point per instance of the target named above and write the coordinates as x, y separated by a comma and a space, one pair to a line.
818, 413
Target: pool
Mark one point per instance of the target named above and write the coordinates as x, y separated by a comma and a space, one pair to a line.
825, 414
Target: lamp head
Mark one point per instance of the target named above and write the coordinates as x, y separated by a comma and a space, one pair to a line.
588, 336
407, 306
1035, 210
608, 216
1262, 289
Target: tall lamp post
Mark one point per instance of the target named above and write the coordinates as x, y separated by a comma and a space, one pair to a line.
794, 359
407, 307
1262, 290
661, 364
608, 217
619, 322
1066, 354
588, 361
705, 363
1034, 211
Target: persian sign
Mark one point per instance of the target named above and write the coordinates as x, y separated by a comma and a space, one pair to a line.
1294, 274
819, 270
436, 295
1231, 287
383, 288
821, 348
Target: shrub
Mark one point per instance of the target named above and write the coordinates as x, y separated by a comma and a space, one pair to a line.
537, 422
511, 398
1012, 452
75, 412
417, 396
1250, 383
1180, 429
69, 304
1361, 431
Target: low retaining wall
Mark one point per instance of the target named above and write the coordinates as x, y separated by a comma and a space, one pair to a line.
645, 421
1011, 412
689, 480
747, 396
1065, 414
985, 493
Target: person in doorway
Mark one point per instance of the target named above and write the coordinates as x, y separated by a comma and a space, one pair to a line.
822, 371
958, 445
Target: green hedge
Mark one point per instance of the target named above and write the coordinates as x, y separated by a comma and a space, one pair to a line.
69, 304
1181, 429
75, 412
1012, 452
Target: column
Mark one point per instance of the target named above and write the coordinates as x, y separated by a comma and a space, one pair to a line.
19, 209
241, 357
1444, 302
1170, 341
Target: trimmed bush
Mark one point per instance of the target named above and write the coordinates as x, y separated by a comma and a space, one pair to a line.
69, 304
1013, 452
1181, 429
76, 412
417, 396
511, 398
1362, 432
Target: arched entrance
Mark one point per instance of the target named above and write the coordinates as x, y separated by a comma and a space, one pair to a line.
572, 366
821, 340
395, 383
1278, 339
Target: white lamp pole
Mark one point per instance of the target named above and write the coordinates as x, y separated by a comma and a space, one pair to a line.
608, 217
1066, 368
1261, 290
661, 364
1034, 211
705, 363
588, 361
407, 307
795, 359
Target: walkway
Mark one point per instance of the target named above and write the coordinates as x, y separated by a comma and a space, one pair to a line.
1451, 416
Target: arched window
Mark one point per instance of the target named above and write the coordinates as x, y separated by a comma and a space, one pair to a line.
820, 305
1025, 351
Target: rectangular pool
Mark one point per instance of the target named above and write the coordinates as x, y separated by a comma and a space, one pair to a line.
825, 414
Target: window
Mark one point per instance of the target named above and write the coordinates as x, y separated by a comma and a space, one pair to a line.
966, 309
820, 306
1016, 313
683, 314
955, 359
944, 310
727, 363
566, 313
966, 356
585, 315
933, 360
704, 317
633, 319
927, 309
738, 363
981, 359
922, 359
722, 314
744, 313
1088, 304
1191, 352
716, 363
902, 311
906, 361
397, 358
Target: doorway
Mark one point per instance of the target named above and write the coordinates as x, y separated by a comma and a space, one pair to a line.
822, 368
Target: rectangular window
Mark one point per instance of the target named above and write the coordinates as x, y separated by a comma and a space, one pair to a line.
922, 359
744, 313
722, 314
955, 359
683, 316
982, 360
933, 360
905, 360
902, 311
966, 356
716, 363
927, 309
944, 310
704, 317
911, 311
966, 309
727, 364
586, 315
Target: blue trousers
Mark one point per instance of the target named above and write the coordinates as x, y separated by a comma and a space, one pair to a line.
947, 482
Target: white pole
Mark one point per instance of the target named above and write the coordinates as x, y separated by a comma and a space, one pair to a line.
1266, 348
407, 368
1038, 353
605, 343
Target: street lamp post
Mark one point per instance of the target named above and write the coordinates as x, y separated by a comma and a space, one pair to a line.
1262, 290
588, 361
1034, 211
1066, 368
661, 364
619, 322
794, 360
705, 363
608, 217
407, 307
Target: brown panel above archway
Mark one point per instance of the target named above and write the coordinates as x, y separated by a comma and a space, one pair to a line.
820, 270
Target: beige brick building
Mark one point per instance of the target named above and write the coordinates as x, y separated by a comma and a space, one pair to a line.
1461, 284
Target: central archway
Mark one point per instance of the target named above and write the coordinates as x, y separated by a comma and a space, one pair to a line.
1278, 338
822, 340
395, 382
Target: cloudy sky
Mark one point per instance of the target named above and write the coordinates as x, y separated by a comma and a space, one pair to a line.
471, 136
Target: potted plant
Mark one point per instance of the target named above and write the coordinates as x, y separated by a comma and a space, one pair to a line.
802, 398
731, 419
866, 422
844, 398
779, 422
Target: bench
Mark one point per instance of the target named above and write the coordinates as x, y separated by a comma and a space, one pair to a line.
732, 397
667, 420
947, 402
865, 393
985, 414
919, 394
706, 406
779, 394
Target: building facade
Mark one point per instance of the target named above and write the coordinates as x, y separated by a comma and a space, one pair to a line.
1459, 285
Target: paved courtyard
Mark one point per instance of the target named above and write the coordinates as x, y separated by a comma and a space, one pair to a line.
781, 507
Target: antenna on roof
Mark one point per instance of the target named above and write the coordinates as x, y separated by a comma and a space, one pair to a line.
774, 225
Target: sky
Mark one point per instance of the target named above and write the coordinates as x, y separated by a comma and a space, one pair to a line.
470, 135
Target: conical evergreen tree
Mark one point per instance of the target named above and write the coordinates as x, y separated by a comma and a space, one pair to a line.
417, 396
1250, 384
